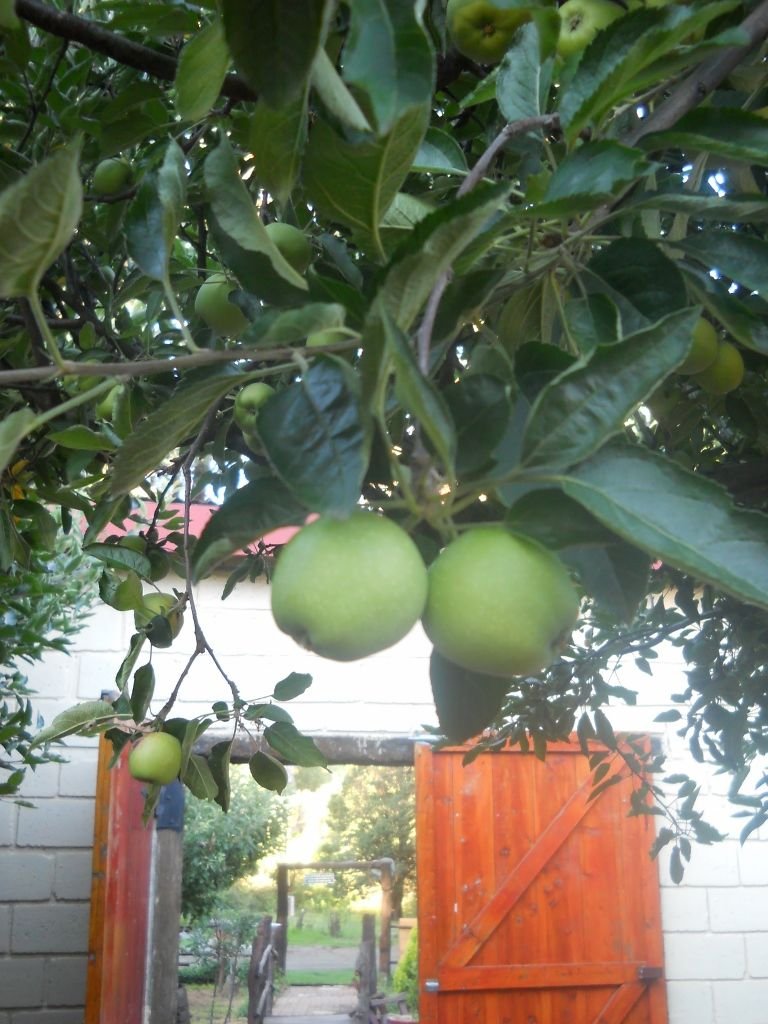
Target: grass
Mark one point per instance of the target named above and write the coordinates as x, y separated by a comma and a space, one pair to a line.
319, 977
200, 997
315, 930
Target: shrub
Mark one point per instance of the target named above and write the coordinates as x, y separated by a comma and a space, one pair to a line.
406, 976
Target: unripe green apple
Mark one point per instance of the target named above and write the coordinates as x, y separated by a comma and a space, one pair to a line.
112, 176
345, 588
213, 305
105, 409
154, 604
247, 404
724, 374
581, 20
703, 351
156, 758
293, 244
483, 29
499, 603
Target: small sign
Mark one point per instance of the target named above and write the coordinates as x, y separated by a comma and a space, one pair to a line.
320, 878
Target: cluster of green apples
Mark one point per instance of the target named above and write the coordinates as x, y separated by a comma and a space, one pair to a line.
213, 303
715, 365
483, 30
493, 602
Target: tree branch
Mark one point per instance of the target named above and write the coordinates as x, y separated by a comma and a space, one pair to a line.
102, 40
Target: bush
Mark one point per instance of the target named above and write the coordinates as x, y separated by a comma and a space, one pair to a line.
406, 976
202, 973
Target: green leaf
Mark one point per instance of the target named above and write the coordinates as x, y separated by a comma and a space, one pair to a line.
88, 714
680, 517
270, 712
236, 214
317, 437
673, 715
419, 396
13, 429
277, 138
218, 762
118, 557
615, 575
127, 665
354, 183
199, 779
466, 702
523, 81
638, 270
273, 44
248, 514
722, 131
286, 327
292, 686
165, 428
741, 257
293, 746
268, 772
335, 96
590, 175
388, 57
676, 868
38, 217
200, 73
82, 439
154, 214
141, 692
585, 406
480, 408
733, 208
439, 153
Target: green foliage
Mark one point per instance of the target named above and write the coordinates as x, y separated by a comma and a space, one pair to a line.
373, 817
515, 258
221, 848
406, 976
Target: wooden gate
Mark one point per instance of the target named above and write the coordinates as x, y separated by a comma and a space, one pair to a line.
536, 905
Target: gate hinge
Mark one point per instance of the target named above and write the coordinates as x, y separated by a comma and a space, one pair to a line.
646, 973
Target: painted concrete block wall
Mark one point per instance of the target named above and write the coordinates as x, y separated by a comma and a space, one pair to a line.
715, 923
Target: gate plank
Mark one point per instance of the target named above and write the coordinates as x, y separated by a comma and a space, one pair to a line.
506, 976
621, 1002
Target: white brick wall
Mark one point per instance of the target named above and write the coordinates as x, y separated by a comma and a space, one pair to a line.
715, 923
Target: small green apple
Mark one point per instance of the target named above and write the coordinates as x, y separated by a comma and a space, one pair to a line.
724, 374
156, 758
112, 176
483, 29
346, 588
154, 604
213, 305
499, 603
581, 20
247, 404
293, 244
703, 350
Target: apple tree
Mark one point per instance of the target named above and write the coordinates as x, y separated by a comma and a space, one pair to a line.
502, 264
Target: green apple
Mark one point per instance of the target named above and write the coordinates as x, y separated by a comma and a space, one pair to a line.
345, 588
213, 305
292, 243
724, 374
112, 176
581, 20
156, 758
483, 29
247, 404
154, 604
105, 409
703, 349
499, 603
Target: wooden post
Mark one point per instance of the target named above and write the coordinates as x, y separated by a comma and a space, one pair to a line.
256, 977
385, 937
163, 966
365, 969
281, 939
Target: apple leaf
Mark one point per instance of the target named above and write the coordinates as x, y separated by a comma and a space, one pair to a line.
292, 686
142, 691
637, 269
723, 131
201, 70
480, 408
745, 323
355, 182
688, 521
466, 702
741, 257
277, 139
165, 428
268, 772
317, 437
440, 153
218, 762
117, 557
286, 327
153, 216
50, 197
524, 80
589, 176
739, 209
199, 779
583, 407
236, 216
388, 57
335, 96
297, 749
88, 714
249, 513
13, 429
274, 44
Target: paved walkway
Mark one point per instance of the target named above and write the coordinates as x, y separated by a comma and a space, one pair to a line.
315, 1004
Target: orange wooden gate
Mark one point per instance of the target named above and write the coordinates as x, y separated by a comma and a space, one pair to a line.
536, 905
122, 860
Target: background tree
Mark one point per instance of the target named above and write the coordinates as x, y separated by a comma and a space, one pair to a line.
374, 816
489, 316
220, 849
